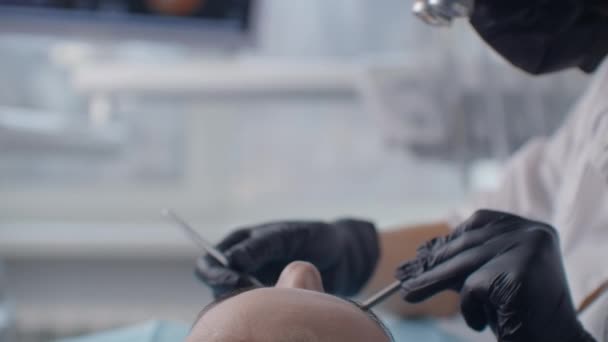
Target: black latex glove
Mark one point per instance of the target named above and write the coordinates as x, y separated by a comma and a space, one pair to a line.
509, 273
345, 252
541, 36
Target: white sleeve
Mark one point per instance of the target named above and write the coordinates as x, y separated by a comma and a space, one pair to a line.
533, 174
595, 318
529, 180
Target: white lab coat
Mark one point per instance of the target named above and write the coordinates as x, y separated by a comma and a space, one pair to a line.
563, 180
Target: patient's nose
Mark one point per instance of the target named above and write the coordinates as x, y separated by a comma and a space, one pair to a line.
301, 275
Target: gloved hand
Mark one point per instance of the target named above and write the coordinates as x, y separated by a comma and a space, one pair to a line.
345, 252
542, 36
509, 273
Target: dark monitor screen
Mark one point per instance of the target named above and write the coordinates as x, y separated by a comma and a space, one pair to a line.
139, 17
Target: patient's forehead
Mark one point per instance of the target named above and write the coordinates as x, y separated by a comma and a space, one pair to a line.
263, 314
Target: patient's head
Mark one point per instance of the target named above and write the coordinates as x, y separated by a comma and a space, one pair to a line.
296, 310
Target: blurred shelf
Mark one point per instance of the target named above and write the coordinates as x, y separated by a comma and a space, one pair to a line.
233, 75
164, 241
107, 241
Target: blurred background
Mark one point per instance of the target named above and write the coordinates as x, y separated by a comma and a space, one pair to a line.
231, 112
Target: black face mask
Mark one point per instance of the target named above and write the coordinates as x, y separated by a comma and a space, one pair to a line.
542, 36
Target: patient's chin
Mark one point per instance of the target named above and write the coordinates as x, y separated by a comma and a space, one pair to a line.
301, 275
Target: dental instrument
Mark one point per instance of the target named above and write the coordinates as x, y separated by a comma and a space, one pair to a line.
206, 246
381, 295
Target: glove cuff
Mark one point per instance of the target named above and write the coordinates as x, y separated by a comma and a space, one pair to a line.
361, 254
582, 336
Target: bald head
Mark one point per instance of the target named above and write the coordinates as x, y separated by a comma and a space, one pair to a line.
287, 314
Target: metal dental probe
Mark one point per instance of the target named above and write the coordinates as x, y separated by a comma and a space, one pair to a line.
203, 244
381, 295
198, 240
